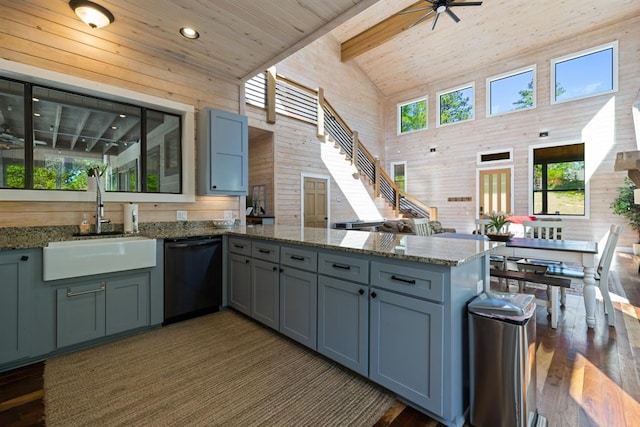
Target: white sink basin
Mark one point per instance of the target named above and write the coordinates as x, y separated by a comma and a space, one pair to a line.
75, 258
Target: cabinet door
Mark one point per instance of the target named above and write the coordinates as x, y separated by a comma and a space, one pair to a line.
127, 302
240, 283
265, 292
406, 348
15, 271
80, 313
343, 329
226, 143
298, 305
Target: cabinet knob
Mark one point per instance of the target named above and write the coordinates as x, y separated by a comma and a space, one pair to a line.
281, 270
246, 261
275, 268
24, 258
361, 291
214, 186
373, 295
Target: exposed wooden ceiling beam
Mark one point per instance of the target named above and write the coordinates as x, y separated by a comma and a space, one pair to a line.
379, 33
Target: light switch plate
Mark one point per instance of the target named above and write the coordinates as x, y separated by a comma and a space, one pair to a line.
181, 215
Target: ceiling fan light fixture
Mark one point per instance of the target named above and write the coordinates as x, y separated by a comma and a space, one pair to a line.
189, 33
441, 8
91, 13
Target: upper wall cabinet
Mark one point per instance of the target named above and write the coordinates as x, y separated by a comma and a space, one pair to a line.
223, 145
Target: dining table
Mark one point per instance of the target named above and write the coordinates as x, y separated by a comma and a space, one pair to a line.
577, 252
580, 252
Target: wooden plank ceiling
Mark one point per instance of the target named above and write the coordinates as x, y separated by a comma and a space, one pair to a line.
396, 58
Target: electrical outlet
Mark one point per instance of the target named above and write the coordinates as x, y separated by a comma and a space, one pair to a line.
181, 215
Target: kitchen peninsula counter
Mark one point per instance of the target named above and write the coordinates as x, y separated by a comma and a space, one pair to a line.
441, 251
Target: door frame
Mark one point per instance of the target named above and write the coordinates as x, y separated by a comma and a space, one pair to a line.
327, 178
496, 167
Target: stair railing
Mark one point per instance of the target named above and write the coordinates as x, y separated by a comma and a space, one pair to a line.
278, 94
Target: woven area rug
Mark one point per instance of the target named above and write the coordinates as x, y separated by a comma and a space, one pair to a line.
220, 369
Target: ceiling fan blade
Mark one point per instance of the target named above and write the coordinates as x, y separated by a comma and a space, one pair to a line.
469, 3
404, 12
425, 16
435, 21
452, 15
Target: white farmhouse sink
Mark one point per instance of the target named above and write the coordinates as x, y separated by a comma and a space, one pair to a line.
75, 258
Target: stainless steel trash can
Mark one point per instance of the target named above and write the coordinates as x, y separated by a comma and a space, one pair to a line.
502, 361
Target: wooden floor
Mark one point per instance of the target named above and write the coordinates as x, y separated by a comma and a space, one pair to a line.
586, 377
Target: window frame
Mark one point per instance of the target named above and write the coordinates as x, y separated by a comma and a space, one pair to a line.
532, 68
471, 85
530, 181
34, 75
393, 173
614, 58
399, 115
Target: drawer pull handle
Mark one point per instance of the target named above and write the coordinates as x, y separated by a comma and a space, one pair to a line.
297, 257
264, 251
93, 291
400, 279
239, 246
342, 267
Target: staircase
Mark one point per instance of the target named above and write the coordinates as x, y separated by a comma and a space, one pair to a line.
279, 95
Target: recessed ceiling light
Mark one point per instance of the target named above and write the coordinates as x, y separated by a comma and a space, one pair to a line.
114, 127
189, 33
123, 115
36, 114
35, 99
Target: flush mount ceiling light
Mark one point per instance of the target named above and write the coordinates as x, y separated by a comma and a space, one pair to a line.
91, 14
189, 33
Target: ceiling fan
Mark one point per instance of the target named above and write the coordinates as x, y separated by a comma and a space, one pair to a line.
437, 7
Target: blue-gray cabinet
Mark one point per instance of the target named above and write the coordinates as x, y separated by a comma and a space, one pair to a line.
343, 310
239, 276
298, 305
406, 347
15, 274
343, 322
265, 283
80, 313
96, 308
223, 144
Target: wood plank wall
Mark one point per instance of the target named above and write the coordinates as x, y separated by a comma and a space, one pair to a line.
296, 148
261, 166
50, 41
451, 170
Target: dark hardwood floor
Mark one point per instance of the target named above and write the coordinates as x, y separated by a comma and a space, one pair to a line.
586, 377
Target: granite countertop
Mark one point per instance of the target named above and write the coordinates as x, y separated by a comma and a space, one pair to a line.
426, 249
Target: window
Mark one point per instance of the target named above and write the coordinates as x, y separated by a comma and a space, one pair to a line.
559, 180
49, 137
399, 174
412, 116
588, 73
456, 105
510, 92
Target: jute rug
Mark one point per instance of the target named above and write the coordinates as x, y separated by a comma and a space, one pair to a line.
220, 369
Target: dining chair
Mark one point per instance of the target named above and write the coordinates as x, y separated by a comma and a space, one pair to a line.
541, 229
421, 226
481, 226
602, 271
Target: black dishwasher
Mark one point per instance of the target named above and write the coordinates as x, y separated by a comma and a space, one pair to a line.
192, 277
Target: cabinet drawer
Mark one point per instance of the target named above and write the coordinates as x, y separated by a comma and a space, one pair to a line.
299, 258
344, 267
265, 251
239, 246
417, 282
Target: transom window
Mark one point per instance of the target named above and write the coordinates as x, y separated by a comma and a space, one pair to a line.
412, 115
587, 73
50, 137
456, 105
559, 180
513, 91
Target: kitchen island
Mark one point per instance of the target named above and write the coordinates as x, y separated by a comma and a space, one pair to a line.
390, 307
